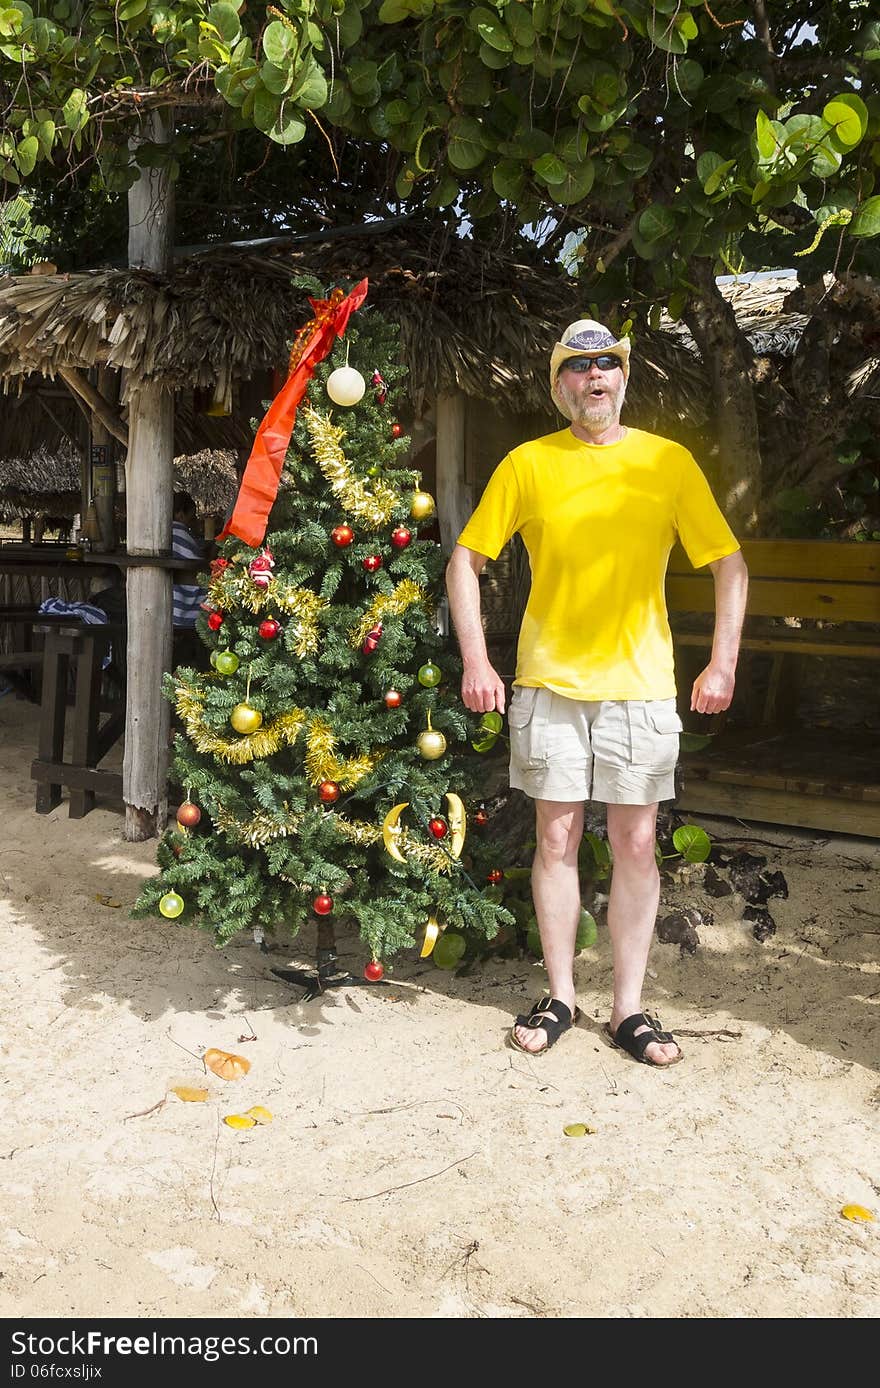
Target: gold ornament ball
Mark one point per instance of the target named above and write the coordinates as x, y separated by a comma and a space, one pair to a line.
421, 506
431, 744
245, 719
345, 386
171, 905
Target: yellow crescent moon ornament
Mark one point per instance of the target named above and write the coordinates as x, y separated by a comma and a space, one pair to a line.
391, 831
457, 821
432, 930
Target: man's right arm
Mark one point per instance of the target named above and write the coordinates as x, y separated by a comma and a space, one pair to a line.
482, 688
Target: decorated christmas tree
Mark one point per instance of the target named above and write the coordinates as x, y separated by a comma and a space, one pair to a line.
326, 757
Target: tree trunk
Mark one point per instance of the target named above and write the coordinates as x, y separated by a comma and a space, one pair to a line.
149, 491
728, 359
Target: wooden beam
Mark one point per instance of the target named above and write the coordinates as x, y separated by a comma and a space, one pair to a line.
149, 479
99, 407
454, 494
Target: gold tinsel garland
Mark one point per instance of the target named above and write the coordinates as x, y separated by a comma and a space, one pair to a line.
405, 595
322, 765
372, 506
264, 828
235, 588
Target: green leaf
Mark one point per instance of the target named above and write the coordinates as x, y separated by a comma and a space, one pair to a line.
131, 9
74, 110
693, 843
276, 79
576, 185
467, 143
695, 742
765, 135
496, 36
279, 44
490, 730
656, 222
507, 179
289, 128
866, 221
310, 88
587, 931
266, 108
716, 177
550, 169
445, 193
663, 34
224, 18
848, 115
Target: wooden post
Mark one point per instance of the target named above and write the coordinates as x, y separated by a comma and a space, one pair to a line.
149, 485
103, 463
454, 493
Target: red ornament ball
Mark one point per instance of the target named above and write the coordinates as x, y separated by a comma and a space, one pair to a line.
215, 621
269, 629
372, 638
438, 827
374, 971
396, 430
481, 819
393, 698
495, 876
401, 537
372, 563
328, 792
188, 815
342, 536
322, 904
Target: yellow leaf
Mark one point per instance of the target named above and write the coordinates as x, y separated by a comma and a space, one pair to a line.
107, 900
259, 1114
225, 1064
239, 1120
857, 1213
577, 1130
188, 1094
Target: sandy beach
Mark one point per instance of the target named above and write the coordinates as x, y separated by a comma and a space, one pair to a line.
416, 1167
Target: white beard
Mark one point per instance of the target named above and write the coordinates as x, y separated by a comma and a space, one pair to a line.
595, 415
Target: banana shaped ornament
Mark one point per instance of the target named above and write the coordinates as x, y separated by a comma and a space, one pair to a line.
457, 821
392, 831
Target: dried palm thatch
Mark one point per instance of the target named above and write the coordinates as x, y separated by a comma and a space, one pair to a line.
470, 319
209, 477
42, 482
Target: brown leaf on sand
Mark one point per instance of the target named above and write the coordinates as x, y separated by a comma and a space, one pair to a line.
189, 1094
226, 1065
106, 900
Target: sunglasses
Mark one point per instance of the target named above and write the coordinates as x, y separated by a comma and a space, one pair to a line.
604, 363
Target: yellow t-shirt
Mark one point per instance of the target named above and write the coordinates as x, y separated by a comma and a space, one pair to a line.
598, 522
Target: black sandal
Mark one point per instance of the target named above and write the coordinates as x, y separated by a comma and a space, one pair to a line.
551, 1016
624, 1039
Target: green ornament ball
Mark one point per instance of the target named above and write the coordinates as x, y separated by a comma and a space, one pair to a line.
171, 905
214, 655
227, 662
430, 675
448, 950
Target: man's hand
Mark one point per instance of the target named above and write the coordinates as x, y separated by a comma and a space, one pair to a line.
713, 690
482, 689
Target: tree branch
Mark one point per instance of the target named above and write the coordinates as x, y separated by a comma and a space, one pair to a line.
99, 407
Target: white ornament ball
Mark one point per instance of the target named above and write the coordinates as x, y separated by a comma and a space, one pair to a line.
345, 386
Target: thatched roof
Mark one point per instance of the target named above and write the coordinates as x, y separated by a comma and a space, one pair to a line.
469, 318
44, 481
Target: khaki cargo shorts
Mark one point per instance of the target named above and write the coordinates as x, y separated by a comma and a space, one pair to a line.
621, 752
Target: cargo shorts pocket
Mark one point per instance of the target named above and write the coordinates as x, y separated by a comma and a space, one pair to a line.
654, 734
527, 721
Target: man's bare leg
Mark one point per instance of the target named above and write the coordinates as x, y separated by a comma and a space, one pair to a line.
559, 827
632, 913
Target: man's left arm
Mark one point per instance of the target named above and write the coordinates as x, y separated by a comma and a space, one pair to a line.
713, 687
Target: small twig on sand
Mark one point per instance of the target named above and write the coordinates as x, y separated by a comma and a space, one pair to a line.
198, 1055
354, 1199
147, 1111
252, 1036
722, 1031
375, 1279
214, 1168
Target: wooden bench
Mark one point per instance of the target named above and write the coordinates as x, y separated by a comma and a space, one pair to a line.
836, 583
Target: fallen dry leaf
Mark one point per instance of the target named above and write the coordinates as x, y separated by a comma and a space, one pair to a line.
578, 1130
857, 1213
239, 1120
225, 1064
107, 900
188, 1094
259, 1114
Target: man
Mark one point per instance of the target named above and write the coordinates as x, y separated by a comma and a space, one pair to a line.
592, 715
